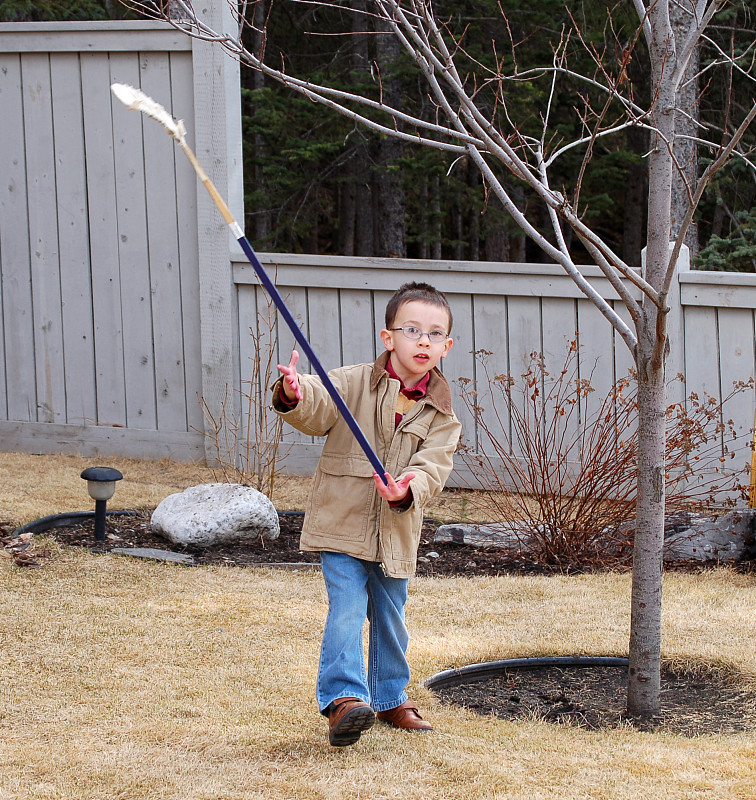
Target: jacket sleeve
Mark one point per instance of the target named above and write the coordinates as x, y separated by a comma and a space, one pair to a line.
433, 461
316, 413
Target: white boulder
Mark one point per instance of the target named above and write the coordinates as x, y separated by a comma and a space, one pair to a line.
215, 513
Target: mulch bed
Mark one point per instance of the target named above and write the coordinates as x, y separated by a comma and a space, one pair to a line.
434, 559
596, 698
593, 698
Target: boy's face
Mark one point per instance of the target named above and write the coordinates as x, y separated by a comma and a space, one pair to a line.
412, 359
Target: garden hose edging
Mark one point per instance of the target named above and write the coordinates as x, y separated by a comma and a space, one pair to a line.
61, 520
491, 669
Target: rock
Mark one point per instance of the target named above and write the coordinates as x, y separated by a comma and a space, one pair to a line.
215, 513
705, 538
501, 535
696, 537
155, 555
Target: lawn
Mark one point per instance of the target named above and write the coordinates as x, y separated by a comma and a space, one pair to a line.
131, 679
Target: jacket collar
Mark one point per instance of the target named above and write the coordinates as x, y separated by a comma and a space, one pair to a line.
438, 393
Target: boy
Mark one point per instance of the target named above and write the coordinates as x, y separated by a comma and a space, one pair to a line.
367, 532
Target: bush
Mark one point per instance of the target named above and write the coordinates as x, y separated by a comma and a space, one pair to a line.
563, 467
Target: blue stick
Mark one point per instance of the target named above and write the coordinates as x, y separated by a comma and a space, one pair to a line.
275, 295
139, 101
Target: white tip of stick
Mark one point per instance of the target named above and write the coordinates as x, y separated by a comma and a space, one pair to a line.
137, 100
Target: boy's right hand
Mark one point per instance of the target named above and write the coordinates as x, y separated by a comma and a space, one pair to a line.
291, 385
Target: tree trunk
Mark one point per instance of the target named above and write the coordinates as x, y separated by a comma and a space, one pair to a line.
355, 216
459, 233
636, 193
347, 214
644, 675
643, 688
497, 241
263, 219
473, 180
435, 218
388, 194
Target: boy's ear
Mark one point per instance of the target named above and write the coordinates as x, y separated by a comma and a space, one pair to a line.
387, 339
447, 346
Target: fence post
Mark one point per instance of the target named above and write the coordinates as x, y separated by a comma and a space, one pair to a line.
217, 101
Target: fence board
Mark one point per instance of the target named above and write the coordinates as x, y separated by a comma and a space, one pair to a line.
93, 440
380, 301
160, 167
623, 358
138, 352
43, 236
296, 300
73, 237
490, 315
182, 97
559, 328
20, 395
251, 378
358, 325
459, 363
103, 226
325, 326
596, 351
736, 363
701, 351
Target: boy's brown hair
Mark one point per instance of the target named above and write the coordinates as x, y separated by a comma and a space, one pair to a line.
416, 291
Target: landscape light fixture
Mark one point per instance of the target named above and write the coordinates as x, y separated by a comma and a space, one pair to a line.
101, 483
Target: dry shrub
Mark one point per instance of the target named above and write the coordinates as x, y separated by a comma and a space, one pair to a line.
246, 436
572, 463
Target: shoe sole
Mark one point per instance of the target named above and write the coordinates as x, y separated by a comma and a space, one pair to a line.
407, 730
352, 725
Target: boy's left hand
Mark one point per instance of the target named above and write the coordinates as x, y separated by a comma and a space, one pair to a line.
392, 491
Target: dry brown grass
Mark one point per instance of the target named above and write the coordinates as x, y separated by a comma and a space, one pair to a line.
130, 679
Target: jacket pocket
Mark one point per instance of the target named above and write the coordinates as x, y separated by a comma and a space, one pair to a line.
341, 500
418, 427
346, 464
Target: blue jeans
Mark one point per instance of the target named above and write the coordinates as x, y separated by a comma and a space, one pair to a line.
359, 590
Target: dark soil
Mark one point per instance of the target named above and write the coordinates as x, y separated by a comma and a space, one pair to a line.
595, 698
440, 560
590, 697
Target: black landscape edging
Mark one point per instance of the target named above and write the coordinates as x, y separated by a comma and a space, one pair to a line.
491, 669
72, 518
61, 520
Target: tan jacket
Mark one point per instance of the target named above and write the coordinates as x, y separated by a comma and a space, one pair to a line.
345, 514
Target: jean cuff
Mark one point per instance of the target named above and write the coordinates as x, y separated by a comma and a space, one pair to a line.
388, 705
324, 709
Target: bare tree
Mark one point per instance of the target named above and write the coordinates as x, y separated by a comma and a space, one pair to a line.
475, 121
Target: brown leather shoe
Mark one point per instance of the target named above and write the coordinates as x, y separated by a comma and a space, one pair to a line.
348, 717
406, 716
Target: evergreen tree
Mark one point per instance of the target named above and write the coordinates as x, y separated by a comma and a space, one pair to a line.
63, 10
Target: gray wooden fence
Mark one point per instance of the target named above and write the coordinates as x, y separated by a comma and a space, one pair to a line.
124, 301
113, 266
511, 311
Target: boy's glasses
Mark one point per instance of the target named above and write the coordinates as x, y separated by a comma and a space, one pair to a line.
413, 333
